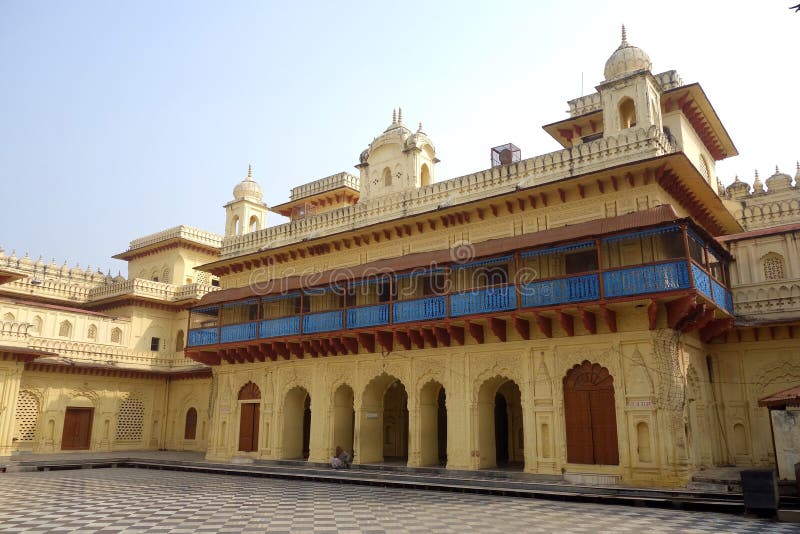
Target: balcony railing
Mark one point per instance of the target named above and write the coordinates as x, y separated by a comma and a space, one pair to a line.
492, 299
560, 291
315, 323
368, 316
406, 311
284, 326
646, 279
203, 336
238, 332
593, 286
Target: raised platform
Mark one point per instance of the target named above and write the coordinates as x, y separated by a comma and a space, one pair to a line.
490, 482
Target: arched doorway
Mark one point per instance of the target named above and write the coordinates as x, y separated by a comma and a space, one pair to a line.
343, 418
433, 425
296, 424
590, 415
500, 424
383, 422
190, 428
250, 403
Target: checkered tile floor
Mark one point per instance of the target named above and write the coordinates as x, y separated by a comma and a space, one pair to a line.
139, 500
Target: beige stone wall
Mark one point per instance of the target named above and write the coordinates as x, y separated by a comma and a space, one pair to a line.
183, 395
128, 413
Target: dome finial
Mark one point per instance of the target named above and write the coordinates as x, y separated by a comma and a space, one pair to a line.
399, 115
249, 171
394, 116
420, 126
624, 37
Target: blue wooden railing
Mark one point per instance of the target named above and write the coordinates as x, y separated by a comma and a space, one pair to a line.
406, 311
646, 279
322, 322
203, 336
368, 316
492, 299
722, 296
560, 291
701, 280
284, 326
238, 332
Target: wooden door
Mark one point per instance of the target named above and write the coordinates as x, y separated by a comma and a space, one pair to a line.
248, 427
590, 415
77, 429
190, 431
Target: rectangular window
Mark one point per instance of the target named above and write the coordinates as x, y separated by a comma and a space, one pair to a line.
155, 343
581, 262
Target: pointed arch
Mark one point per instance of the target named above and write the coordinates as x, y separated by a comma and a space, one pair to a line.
627, 113
590, 415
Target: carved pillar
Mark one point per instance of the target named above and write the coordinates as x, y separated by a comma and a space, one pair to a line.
10, 376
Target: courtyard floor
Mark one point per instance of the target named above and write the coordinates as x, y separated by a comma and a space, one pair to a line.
142, 500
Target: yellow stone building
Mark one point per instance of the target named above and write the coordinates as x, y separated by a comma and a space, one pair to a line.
606, 312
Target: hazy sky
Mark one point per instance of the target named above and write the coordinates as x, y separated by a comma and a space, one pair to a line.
120, 119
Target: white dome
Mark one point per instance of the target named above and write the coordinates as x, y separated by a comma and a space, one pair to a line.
248, 189
626, 59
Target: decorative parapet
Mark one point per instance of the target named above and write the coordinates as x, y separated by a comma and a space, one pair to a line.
179, 232
13, 330
767, 300
104, 355
342, 179
627, 147
139, 287
589, 103
585, 104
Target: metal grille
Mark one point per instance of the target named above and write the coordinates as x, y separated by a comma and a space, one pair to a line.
27, 416
130, 421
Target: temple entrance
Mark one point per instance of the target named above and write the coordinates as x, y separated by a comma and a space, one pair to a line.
77, 429
433, 425
590, 415
296, 424
501, 439
343, 419
250, 404
383, 422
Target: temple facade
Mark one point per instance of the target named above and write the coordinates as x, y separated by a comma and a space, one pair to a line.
607, 312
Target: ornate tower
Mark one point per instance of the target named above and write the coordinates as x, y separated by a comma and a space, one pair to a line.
396, 161
630, 94
246, 212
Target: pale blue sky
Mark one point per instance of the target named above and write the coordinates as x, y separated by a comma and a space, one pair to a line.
120, 119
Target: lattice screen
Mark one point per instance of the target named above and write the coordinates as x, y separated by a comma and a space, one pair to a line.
773, 267
27, 416
130, 421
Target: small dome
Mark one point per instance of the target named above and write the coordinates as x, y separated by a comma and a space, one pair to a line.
738, 189
779, 181
758, 187
248, 189
626, 59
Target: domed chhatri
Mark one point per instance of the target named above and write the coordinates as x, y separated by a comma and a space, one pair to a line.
779, 181
738, 189
248, 189
626, 59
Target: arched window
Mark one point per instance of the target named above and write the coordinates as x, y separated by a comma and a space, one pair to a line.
190, 431
37, 324
254, 224
154, 276
774, 267
424, 175
627, 113
387, 177
179, 341
65, 329
8, 317
237, 225
116, 335
92, 333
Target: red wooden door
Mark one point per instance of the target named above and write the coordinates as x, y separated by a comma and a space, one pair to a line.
248, 427
590, 415
77, 429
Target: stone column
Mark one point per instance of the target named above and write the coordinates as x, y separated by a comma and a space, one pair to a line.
10, 376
